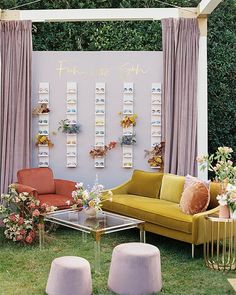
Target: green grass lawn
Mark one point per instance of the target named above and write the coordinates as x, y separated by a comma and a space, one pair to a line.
24, 269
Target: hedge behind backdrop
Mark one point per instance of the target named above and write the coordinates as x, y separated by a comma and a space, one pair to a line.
146, 35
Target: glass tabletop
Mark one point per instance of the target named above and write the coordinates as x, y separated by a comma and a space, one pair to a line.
104, 222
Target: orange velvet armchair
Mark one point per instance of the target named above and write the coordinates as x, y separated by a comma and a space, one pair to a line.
41, 183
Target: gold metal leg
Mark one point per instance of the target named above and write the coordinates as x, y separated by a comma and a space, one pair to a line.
192, 250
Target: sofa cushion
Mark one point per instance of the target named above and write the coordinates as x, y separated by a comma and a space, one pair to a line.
172, 188
189, 180
156, 211
146, 184
195, 198
215, 189
39, 178
59, 201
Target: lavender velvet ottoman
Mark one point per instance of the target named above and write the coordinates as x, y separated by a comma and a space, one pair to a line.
135, 269
69, 275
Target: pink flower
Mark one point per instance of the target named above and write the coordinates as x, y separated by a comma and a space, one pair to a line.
31, 206
19, 238
23, 232
74, 194
21, 221
44, 206
36, 213
12, 217
32, 234
29, 239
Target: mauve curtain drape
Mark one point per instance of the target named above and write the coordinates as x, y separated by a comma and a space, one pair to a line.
180, 41
15, 99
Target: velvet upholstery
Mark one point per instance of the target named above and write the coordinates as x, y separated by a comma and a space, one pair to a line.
195, 198
172, 187
39, 178
59, 201
146, 184
40, 181
163, 216
25, 188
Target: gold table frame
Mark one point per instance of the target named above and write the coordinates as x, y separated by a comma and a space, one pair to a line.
220, 243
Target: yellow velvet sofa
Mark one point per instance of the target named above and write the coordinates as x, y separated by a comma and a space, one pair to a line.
154, 197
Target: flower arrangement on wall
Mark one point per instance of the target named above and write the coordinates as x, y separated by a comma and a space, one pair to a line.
128, 139
23, 215
128, 121
66, 126
43, 140
102, 151
41, 109
155, 156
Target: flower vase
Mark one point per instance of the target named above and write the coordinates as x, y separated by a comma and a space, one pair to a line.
224, 211
232, 214
90, 212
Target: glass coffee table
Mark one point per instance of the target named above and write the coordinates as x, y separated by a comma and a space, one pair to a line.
103, 223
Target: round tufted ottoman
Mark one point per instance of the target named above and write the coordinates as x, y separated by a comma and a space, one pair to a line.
135, 269
69, 275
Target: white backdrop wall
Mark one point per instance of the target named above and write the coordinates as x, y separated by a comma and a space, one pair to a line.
87, 68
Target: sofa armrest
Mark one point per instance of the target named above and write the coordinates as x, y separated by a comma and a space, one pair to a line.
25, 188
120, 189
198, 225
64, 187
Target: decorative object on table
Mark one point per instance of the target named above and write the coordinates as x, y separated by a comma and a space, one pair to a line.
69, 127
128, 140
225, 173
23, 216
102, 151
156, 161
155, 156
43, 140
90, 200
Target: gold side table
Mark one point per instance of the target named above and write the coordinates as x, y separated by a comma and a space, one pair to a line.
220, 243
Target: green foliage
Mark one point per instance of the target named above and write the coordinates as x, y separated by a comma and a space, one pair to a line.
24, 269
146, 35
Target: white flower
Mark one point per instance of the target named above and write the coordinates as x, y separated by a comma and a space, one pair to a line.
85, 195
222, 199
79, 185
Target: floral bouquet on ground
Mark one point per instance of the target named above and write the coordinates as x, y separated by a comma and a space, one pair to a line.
23, 215
90, 199
225, 173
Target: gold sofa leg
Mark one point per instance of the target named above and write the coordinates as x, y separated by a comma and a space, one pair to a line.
192, 250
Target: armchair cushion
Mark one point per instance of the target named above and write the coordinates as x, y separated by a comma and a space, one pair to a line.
39, 178
59, 201
25, 188
146, 184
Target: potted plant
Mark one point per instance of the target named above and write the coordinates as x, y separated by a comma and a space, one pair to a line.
128, 139
69, 127
102, 151
43, 140
155, 156
222, 166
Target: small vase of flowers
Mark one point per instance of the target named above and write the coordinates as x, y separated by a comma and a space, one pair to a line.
90, 200
225, 173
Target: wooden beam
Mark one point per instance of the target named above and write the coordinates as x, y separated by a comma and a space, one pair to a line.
77, 15
206, 7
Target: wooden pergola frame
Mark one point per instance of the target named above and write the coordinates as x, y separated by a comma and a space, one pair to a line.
201, 12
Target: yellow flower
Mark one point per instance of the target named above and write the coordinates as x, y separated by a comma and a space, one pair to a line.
91, 203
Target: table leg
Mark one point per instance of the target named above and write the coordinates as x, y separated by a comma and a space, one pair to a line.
142, 234
97, 253
84, 237
41, 235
